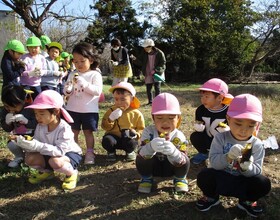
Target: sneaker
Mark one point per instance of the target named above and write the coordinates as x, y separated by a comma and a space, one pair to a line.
89, 158
199, 158
111, 157
40, 177
16, 162
252, 208
71, 182
205, 203
130, 156
145, 185
181, 184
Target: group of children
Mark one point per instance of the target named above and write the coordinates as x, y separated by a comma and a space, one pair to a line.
224, 134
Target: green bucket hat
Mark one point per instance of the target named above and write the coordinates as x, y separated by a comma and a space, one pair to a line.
57, 45
33, 42
15, 45
64, 55
45, 40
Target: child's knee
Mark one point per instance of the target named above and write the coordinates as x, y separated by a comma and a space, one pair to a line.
108, 141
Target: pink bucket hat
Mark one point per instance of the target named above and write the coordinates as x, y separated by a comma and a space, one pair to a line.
165, 103
216, 85
246, 106
129, 87
50, 99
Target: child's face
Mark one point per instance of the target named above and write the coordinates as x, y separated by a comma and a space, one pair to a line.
53, 53
210, 101
15, 55
44, 117
13, 109
82, 64
122, 100
34, 50
165, 123
241, 129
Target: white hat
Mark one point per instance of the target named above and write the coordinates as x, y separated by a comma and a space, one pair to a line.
148, 43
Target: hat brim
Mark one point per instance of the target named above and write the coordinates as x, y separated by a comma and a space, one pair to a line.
245, 115
120, 87
65, 114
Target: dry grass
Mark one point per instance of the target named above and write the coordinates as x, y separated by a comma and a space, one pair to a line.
109, 190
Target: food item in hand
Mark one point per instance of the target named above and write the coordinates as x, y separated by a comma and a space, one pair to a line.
14, 137
222, 125
164, 135
246, 153
75, 78
28, 138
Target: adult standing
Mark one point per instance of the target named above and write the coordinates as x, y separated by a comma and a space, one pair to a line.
120, 61
152, 60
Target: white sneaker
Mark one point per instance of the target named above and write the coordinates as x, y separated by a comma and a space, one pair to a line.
131, 156
16, 162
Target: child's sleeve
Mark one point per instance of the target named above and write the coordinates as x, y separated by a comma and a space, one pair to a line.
179, 157
145, 149
106, 123
10, 73
140, 125
6, 127
95, 87
217, 158
62, 143
258, 154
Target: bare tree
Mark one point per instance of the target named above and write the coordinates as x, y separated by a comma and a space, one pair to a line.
35, 12
265, 32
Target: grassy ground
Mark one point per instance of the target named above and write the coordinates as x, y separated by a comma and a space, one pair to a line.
109, 190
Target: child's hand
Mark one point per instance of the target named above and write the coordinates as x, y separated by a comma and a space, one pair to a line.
235, 152
69, 87
21, 119
36, 72
82, 82
114, 63
25, 144
10, 118
115, 114
169, 148
199, 127
222, 127
247, 165
131, 133
158, 144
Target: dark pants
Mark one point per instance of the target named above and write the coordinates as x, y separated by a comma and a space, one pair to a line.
160, 167
149, 90
48, 88
217, 182
112, 142
201, 141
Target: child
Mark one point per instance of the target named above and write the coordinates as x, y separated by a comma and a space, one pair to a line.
163, 146
11, 65
53, 147
45, 41
236, 159
35, 66
208, 116
52, 77
16, 119
123, 123
82, 89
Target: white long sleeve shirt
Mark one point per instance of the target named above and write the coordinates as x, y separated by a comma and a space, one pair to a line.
84, 100
57, 142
